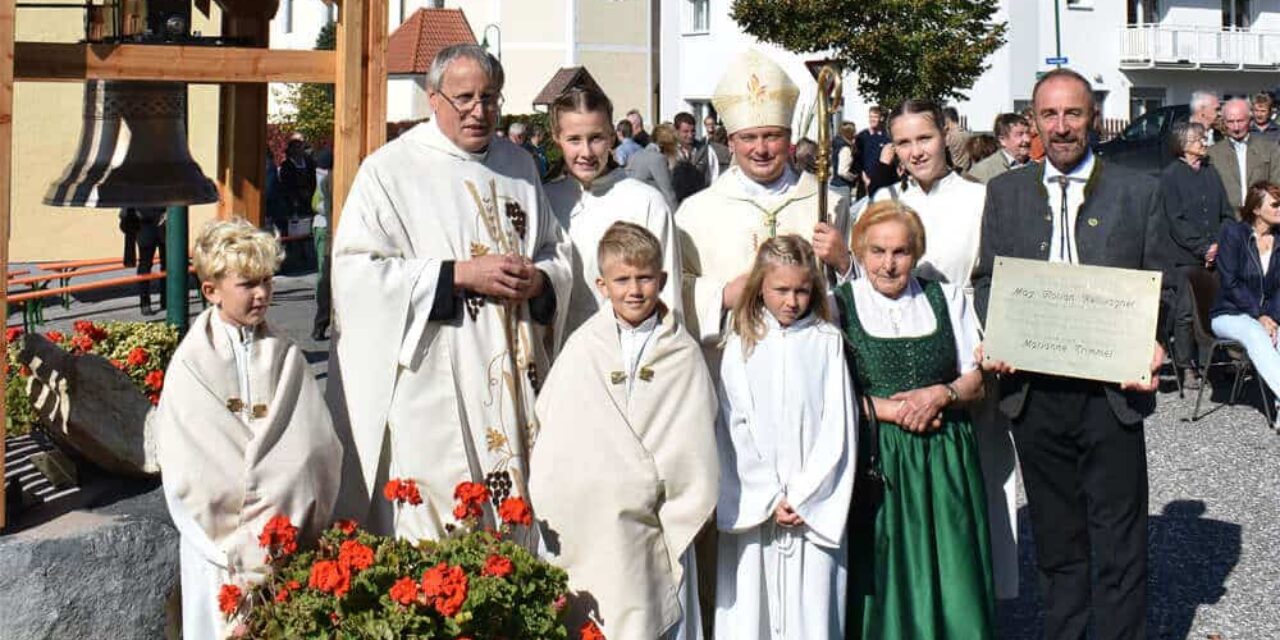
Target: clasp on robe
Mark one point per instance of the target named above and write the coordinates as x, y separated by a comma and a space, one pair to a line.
617, 377
236, 405
259, 411
646, 374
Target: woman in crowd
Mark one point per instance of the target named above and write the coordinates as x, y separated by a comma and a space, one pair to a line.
1248, 303
653, 165
595, 192
921, 561
1197, 209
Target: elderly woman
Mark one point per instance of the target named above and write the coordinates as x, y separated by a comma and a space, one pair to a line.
1197, 209
1248, 304
921, 567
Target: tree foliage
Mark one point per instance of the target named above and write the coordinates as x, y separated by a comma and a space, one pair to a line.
899, 49
311, 104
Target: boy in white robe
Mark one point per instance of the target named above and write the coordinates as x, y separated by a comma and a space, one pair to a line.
625, 471
787, 440
243, 433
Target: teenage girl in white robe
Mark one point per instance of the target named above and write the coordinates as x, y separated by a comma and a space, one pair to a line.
787, 437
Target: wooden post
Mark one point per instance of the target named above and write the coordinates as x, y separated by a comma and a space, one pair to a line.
375, 77
6, 170
349, 103
242, 114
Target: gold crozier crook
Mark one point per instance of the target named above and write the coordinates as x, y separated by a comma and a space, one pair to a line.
829, 96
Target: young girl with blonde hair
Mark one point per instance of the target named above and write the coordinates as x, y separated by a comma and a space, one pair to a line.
786, 436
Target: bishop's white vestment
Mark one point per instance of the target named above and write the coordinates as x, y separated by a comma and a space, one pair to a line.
242, 435
787, 430
722, 226
437, 385
625, 474
586, 213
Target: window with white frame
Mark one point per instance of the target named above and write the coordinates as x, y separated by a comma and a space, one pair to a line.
697, 16
1143, 12
1236, 14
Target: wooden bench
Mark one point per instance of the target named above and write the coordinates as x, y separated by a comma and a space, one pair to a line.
33, 313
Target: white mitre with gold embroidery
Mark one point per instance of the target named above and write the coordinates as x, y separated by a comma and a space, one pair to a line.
755, 92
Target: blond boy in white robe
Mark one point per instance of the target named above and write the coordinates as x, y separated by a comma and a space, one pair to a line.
625, 470
243, 433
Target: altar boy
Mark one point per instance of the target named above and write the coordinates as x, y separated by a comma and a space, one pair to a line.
625, 470
242, 432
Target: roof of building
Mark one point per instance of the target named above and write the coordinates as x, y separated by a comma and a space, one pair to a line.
415, 43
565, 79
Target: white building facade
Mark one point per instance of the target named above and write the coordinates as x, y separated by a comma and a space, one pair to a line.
534, 39
1139, 54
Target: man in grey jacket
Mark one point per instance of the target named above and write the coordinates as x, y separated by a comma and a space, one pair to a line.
1080, 442
1243, 159
1014, 134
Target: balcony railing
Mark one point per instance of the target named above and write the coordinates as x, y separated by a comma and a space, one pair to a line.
1187, 47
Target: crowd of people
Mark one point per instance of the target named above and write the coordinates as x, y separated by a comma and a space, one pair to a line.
734, 415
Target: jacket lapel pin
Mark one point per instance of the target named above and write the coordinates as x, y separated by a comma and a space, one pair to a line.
617, 377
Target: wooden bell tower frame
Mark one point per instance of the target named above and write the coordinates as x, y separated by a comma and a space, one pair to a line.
357, 69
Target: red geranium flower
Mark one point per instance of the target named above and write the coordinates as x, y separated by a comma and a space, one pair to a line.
138, 357
396, 490
354, 556
330, 577
228, 599
279, 537
346, 526
471, 492
155, 380
590, 631
283, 594
12, 333
497, 566
24, 371
56, 336
515, 511
391, 490
445, 588
81, 343
119, 364
404, 591
154, 398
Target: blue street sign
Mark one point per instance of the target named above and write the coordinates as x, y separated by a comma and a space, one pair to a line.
1062, 60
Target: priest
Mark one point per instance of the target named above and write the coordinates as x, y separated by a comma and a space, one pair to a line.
449, 277
760, 197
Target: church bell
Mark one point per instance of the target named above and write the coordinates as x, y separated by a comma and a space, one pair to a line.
133, 150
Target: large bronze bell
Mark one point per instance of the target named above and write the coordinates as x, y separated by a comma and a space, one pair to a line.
133, 150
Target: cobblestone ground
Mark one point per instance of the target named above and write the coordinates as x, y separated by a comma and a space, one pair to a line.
1215, 491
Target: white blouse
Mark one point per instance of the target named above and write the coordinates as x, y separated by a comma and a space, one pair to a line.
910, 316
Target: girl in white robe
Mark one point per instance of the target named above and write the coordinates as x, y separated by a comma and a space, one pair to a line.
242, 432
787, 442
595, 193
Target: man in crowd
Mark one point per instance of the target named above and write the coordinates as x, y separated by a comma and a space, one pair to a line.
695, 165
1080, 442
1263, 116
450, 277
844, 158
1014, 135
1244, 159
516, 133
637, 128
1204, 109
627, 146
870, 141
957, 138
709, 127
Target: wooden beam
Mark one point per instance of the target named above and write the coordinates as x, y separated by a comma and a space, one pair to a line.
6, 171
349, 104
242, 127
375, 76
67, 62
